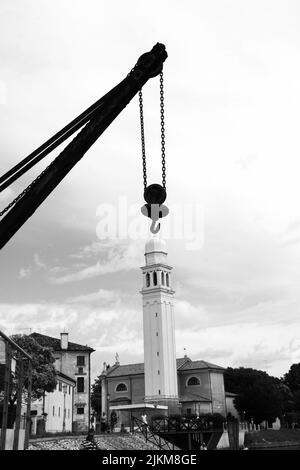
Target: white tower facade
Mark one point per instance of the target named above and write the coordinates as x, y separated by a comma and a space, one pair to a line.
159, 327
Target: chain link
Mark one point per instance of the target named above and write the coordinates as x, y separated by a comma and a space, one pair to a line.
12, 203
143, 138
162, 124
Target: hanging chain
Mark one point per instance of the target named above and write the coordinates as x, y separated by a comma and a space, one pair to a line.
143, 139
12, 203
162, 124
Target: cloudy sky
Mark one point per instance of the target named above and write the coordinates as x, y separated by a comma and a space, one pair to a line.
233, 151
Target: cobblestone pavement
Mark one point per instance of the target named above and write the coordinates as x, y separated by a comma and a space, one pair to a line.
104, 442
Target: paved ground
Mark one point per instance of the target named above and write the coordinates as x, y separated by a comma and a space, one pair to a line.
104, 442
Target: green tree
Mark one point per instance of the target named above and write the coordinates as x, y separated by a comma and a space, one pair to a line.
292, 377
287, 397
96, 396
43, 370
43, 373
258, 395
297, 400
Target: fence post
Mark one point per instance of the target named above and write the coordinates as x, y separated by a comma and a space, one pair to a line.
28, 418
7, 380
19, 401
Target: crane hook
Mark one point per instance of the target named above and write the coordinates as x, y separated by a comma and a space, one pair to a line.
154, 229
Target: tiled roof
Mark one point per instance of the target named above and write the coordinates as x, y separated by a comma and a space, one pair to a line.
128, 369
182, 360
183, 363
54, 343
190, 365
64, 376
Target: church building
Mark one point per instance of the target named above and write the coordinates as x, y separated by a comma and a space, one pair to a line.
162, 382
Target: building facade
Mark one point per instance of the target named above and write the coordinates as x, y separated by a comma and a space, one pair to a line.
200, 387
73, 360
54, 412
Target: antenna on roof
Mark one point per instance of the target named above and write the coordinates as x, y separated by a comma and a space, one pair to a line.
184, 349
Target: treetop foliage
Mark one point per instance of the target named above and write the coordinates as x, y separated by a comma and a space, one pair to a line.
43, 370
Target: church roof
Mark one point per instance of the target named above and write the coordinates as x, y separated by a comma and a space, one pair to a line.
183, 363
190, 365
128, 369
54, 343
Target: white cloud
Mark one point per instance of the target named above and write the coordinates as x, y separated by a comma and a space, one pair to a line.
256, 345
102, 295
115, 257
25, 272
37, 266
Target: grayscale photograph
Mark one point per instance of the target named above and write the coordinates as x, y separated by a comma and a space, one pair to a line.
149, 229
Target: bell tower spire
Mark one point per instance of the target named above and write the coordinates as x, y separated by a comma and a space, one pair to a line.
159, 327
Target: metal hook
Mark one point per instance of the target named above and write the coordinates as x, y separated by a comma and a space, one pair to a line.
153, 229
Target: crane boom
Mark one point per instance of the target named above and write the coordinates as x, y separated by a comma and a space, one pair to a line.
109, 107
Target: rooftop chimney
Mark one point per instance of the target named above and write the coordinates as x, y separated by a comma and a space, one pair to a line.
64, 340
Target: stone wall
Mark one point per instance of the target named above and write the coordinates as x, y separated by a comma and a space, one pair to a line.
218, 393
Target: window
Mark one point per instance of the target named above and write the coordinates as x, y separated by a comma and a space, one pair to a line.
157, 353
193, 381
147, 280
60, 386
189, 411
158, 372
69, 389
53, 412
156, 314
163, 278
59, 411
80, 370
157, 333
81, 360
158, 392
121, 388
80, 384
167, 279
155, 278
80, 411
68, 413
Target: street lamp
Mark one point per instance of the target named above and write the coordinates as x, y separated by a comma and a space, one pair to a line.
64, 417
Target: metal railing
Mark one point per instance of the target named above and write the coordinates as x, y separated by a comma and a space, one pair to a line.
150, 435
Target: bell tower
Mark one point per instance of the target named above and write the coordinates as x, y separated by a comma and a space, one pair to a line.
159, 328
